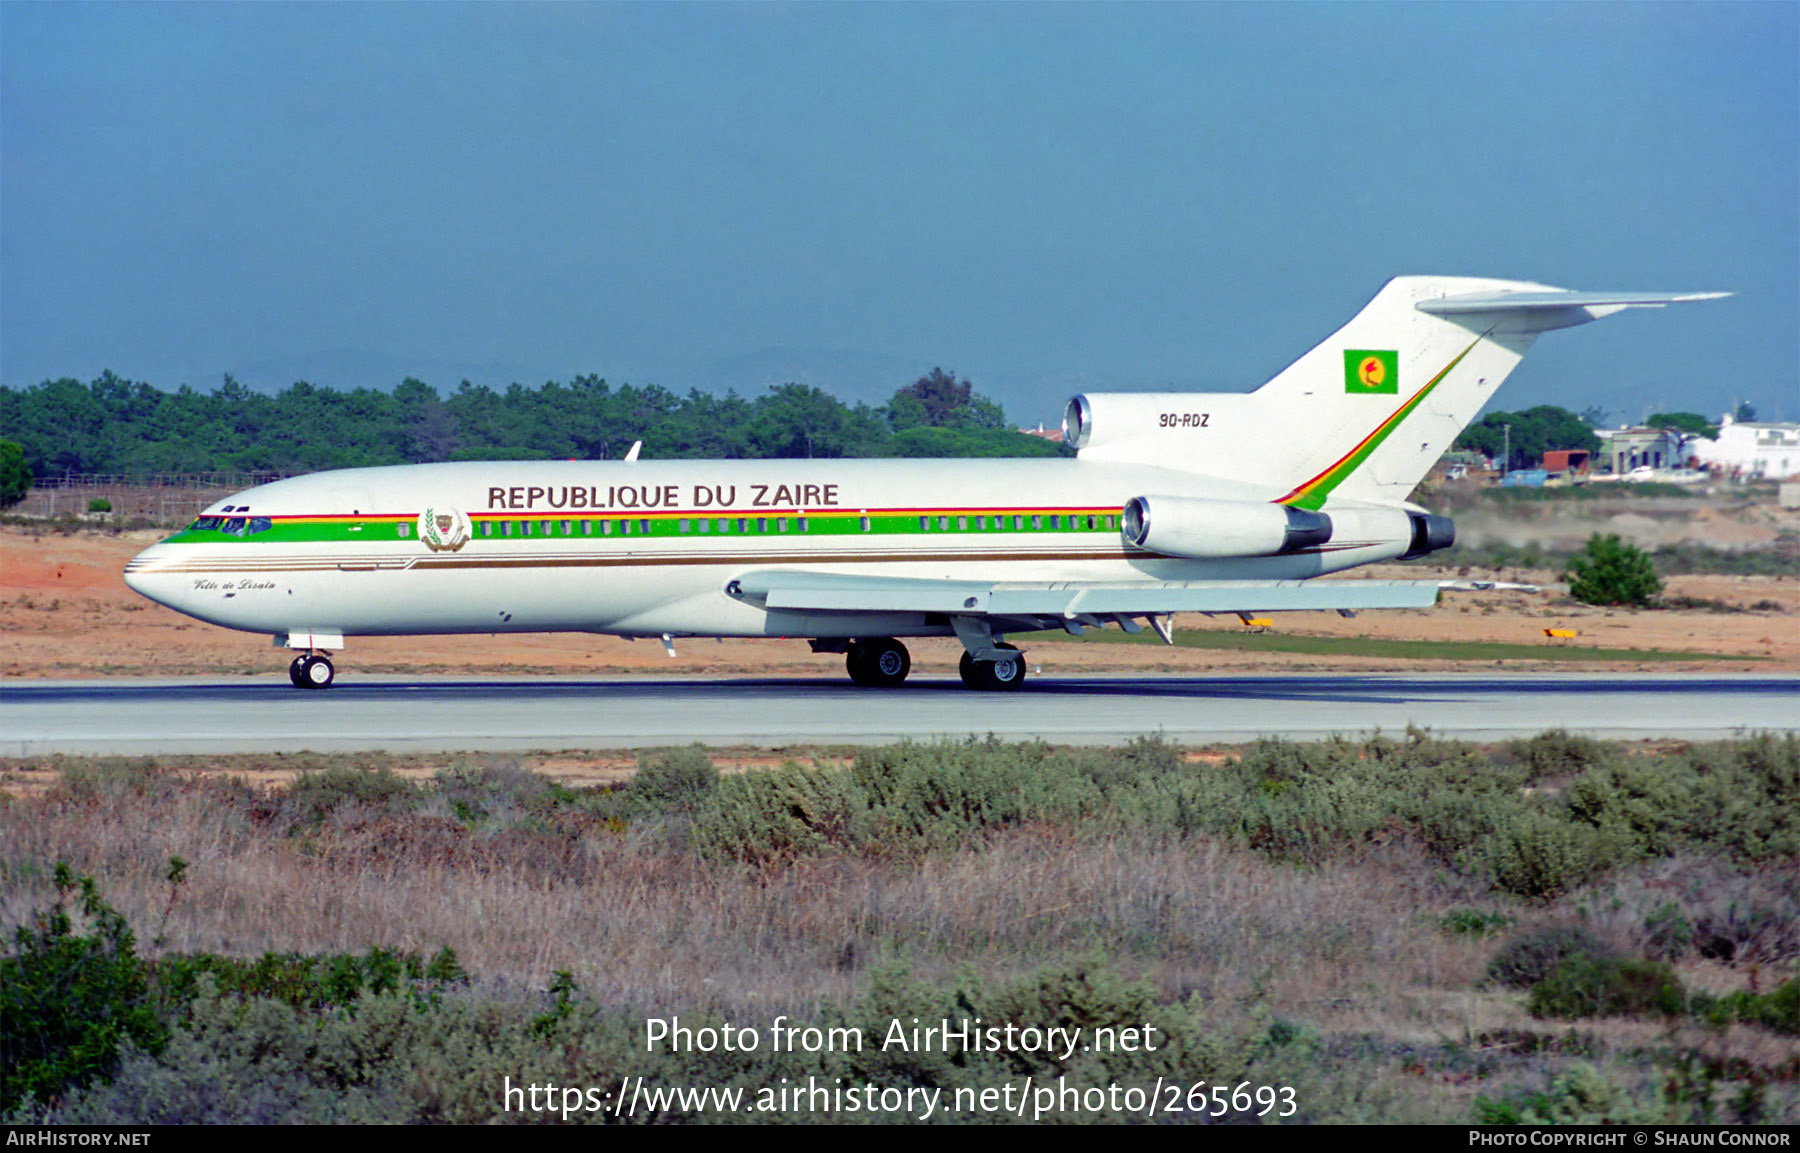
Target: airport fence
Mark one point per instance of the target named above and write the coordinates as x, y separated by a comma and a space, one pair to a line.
172, 498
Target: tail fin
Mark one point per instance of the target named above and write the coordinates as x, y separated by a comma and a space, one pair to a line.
1368, 411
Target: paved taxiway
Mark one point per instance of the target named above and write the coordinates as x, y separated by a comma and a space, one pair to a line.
420, 714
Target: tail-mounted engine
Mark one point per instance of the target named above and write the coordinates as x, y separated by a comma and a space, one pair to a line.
1178, 526
1430, 533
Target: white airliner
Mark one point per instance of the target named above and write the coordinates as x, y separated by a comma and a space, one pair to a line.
1176, 502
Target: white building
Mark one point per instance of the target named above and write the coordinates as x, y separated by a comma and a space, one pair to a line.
1623, 449
1752, 448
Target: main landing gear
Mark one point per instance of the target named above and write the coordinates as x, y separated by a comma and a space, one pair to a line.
881, 663
998, 676
311, 671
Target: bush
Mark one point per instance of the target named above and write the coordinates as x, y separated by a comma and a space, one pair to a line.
1529, 957
675, 779
99, 504
1778, 1010
1611, 572
314, 796
1582, 1096
1473, 922
1607, 987
1558, 753
67, 1001
1671, 934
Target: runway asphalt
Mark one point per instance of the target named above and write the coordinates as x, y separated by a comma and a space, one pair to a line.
435, 714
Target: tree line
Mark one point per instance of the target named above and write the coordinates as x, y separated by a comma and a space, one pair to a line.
115, 426
112, 425
1529, 434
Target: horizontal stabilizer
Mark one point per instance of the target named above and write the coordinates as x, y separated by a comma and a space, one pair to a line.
1490, 302
1058, 600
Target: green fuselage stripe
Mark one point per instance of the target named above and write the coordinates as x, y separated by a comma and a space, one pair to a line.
625, 526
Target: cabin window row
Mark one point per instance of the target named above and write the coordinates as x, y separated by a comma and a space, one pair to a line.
1055, 522
1036, 522
563, 527
639, 527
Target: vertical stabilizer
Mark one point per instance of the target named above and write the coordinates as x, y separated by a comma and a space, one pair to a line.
1366, 413
1372, 408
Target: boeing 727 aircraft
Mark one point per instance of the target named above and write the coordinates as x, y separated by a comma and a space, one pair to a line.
1176, 502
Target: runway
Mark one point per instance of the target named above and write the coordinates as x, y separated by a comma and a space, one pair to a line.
436, 714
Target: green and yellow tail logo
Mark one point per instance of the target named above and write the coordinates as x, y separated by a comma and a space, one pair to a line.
1371, 371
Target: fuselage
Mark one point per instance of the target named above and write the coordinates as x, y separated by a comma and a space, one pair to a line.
645, 548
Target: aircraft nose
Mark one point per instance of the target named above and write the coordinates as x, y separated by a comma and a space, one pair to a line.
142, 577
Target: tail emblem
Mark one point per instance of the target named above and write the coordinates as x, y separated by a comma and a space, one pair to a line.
1371, 371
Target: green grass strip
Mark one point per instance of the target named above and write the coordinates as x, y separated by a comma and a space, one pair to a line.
1381, 647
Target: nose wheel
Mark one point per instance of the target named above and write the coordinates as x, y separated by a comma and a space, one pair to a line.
312, 671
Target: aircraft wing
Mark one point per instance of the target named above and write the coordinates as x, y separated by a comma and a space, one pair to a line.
1054, 602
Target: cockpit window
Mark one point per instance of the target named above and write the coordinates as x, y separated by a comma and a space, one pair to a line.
208, 522
260, 524
234, 526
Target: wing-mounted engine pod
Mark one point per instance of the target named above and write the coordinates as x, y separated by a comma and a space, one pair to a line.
1205, 529
1430, 533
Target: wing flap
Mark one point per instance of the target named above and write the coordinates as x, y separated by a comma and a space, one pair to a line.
828, 592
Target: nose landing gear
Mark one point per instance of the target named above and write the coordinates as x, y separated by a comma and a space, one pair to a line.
312, 671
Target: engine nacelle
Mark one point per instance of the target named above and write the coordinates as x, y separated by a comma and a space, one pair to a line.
1403, 535
1430, 533
1122, 422
1206, 529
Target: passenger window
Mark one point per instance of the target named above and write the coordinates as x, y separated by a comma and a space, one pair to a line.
683, 524
724, 524
924, 524
962, 524
944, 523
1109, 522
487, 528
799, 521
865, 524
1090, 523
1037, 521
566, 530
705, 525
606, 528
744, 525
643, 527
524, 528
506, 528
1018, 523
404, 528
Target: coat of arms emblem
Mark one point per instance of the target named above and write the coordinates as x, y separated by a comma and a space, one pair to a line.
443, 530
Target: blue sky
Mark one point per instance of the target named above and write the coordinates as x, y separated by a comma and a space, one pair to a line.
1044, 198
